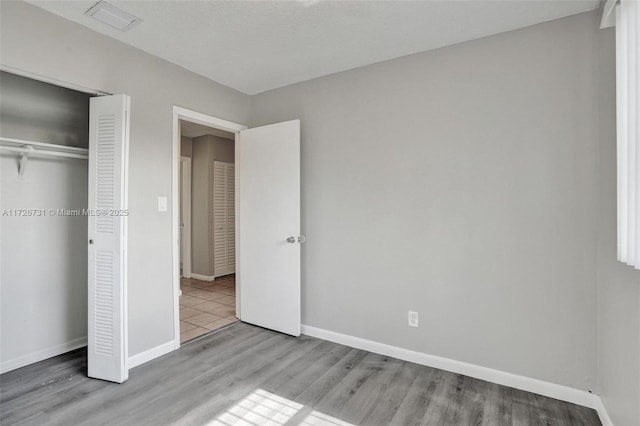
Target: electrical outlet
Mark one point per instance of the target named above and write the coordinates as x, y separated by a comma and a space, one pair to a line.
413, 319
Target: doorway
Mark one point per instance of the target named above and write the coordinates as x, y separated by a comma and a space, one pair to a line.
264, 216
206, 290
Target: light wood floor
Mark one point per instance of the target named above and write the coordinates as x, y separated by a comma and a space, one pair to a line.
245, 375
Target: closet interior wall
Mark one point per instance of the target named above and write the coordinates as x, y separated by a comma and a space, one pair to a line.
43, 262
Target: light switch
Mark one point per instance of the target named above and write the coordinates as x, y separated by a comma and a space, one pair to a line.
162, 204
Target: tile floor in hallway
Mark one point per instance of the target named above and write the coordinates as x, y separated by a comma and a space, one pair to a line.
206, 305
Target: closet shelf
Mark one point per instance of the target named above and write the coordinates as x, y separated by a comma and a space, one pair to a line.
27, 148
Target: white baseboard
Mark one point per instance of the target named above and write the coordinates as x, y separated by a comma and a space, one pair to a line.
150, 354
43, 354
552, 390
203, 277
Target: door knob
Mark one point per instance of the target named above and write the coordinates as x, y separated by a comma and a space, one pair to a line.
291, 240
90, 241
302, 239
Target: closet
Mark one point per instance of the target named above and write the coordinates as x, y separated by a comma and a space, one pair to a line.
63, 199
224, 224
44, 131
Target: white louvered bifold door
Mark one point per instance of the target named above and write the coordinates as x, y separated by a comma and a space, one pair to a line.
223, 218
107, 249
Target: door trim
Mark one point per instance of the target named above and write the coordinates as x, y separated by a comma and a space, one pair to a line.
52, 80
185, 196
180, 113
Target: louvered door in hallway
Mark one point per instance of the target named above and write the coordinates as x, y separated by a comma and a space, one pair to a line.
224, 247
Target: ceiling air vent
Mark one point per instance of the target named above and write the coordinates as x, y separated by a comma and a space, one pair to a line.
112, 16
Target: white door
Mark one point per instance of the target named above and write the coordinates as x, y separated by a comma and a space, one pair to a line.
185, 217
269, 226
224, 251
107, 249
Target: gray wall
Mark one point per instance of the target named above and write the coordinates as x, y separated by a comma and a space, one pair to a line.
39, 42
459, 183
221, 149
43, 267
206, 150
618, 284
200, 207
185, 146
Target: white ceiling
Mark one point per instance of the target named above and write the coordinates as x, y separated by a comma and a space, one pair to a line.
193, 130
254, 46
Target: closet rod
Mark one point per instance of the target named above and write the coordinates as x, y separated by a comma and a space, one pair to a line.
27, 147
26, 150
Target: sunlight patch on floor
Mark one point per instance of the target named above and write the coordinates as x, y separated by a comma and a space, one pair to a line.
257, 409
262, 408
316, 418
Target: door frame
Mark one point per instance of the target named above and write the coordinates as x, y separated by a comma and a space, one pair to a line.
185, 200
180, 113
52, 80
